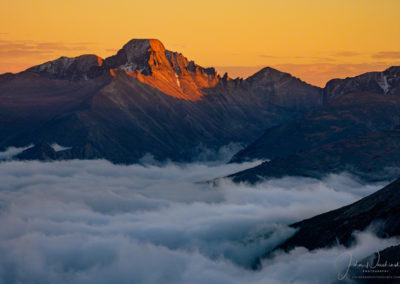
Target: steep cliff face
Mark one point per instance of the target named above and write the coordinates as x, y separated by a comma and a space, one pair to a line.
191, 78
170, 72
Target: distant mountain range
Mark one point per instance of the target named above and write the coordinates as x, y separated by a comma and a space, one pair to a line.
356, 130
143, 100
149, 100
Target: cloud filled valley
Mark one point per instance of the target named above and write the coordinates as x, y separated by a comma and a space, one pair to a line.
199, 143
95, 222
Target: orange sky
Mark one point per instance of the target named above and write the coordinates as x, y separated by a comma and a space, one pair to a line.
313, 39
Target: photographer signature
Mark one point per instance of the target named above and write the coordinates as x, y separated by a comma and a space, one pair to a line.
366, 266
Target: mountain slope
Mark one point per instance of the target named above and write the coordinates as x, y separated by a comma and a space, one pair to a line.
349, 115
373, 157
143, 100
380, 210
352, 132
386, 82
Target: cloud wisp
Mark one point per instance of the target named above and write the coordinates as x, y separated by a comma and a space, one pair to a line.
95, 222
387, 55
346, 53
11, 152
23, 49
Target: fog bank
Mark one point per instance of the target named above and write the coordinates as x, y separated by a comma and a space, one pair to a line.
95, 222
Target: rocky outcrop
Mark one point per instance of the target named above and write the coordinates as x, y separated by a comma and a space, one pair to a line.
143, 55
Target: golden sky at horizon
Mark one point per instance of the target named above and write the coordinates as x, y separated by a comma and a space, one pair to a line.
313, 40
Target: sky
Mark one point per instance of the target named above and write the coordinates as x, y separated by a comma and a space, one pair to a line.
312, 39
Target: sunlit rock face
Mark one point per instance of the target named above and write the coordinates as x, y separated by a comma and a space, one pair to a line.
170, 72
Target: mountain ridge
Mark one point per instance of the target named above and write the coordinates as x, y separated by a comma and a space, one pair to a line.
381, 209
164, 105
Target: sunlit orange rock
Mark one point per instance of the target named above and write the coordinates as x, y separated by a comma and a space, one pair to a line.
148, 61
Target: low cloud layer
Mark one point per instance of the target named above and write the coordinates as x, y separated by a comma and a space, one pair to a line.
95, 222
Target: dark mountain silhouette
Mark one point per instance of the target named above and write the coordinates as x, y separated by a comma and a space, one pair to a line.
353, 131
379, 212
349, 111
386, 82
374, 156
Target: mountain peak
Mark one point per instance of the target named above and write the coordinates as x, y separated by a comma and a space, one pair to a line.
385, 82
393, 70
73, 68
136, 47
138, 50
148, 61
142, 55
269, 74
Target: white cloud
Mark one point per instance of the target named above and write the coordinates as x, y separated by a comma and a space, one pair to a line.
58, 147
95, 222
12, 151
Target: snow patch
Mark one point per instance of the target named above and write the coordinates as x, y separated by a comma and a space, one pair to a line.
56, 147
129, 67
383, 83
177, 80
53, 67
